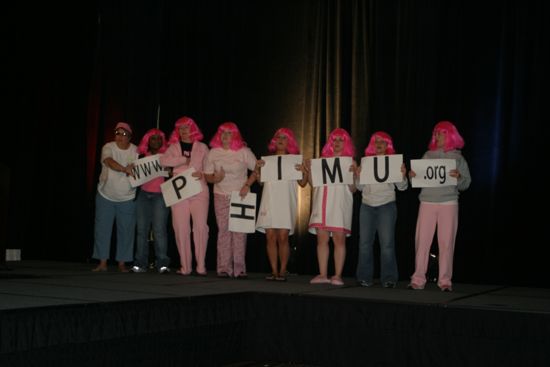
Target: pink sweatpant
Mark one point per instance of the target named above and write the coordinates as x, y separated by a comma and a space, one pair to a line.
196, 208
231, 245
445, 218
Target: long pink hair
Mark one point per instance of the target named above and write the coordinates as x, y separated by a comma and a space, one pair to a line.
349, 150
195, 133
237, 141
453, 140
381, 135
292, 146
143, 147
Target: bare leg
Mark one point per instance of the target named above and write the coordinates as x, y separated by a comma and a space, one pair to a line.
271, 238
284, 250
339, 239
322, 251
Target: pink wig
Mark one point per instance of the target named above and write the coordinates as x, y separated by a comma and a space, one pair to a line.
237, 141
195, 133
349, 150
381, 135
292, 146
453, 139
143, 147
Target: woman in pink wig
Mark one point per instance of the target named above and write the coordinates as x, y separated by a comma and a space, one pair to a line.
378, 214
115, 200
331, 212
151, 211
185, 150
277, 214
227, 166
439, 208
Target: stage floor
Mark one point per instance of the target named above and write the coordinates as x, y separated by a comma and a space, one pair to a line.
29, 284
58, 313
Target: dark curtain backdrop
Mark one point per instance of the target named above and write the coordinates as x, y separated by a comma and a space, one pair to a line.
397, 66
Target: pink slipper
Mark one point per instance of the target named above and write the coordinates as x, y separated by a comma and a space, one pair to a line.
319, 279
336, 280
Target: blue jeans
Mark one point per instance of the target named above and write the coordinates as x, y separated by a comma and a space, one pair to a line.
379, 219
151, 211
106, 213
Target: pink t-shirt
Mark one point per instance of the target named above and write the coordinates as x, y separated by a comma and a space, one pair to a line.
235, 164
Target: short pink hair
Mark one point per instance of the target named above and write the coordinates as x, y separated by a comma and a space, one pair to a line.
349, 150
237, 141
292, 147
453, 139
143, 147
371, 148
195, 133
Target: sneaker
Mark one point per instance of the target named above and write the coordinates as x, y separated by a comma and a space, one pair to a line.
319, 279
164, 270
138, 269
389, 285
336, 280
366, 284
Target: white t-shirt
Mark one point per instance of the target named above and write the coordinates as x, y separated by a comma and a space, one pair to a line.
113, 185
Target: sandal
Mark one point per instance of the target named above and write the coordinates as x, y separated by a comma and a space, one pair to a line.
280, 278
271, 277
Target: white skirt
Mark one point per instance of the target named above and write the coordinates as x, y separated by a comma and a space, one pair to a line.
278, 206
331, 209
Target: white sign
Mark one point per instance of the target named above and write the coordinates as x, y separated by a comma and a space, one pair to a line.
281, 167
242, 213
180, 187
381, 169
331, 171
432, 172
146, 169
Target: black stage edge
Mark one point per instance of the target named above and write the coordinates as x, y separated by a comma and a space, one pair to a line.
288, 322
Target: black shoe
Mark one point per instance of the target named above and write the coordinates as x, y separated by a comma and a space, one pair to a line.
366, 284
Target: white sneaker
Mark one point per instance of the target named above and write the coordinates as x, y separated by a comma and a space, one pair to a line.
137, 269
164, 270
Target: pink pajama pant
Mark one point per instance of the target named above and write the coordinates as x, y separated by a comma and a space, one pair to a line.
445, 218
195, 208
231, 245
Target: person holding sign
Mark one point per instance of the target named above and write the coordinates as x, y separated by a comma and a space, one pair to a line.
439, 208
227, 166
332, 210
185, 151
277, 214
151, 210
114, 201
378, 214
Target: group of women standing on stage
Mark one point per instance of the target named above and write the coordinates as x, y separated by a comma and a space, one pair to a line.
232, 167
